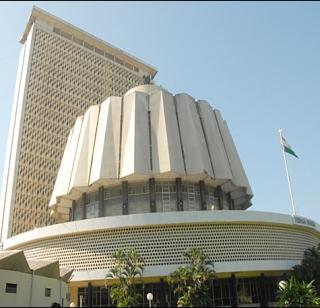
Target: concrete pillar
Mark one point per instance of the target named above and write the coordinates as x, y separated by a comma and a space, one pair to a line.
262, 289
73, 216
89, 301
125, 198
101, 200
232, 204
84, 203
162, 293
203, 201
152, 194
220, 197
179, 194
233, 291
229, 201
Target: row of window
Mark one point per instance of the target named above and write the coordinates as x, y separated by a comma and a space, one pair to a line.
249, 292
13, 288
139, 200
97, 50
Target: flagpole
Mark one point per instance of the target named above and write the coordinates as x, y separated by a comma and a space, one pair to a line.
288, 177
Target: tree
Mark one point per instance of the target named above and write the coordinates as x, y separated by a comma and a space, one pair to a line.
191, 283
297, 294
310, 267
127, 270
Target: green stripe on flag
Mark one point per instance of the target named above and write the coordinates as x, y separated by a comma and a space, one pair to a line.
288, 150
287, 147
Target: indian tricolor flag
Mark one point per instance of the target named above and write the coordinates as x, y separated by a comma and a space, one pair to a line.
287, 148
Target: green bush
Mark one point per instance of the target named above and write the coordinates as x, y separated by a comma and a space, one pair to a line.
310, 267
297, 294
191, 283
127, 270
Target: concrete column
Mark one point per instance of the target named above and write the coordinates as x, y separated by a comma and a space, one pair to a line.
220, 198
152, 194
125, 198
179, 194
229, 201
162, 293
262, 288
101, 200
203, 201
89, 301
73, 216
233, 291
232, 204
84, 202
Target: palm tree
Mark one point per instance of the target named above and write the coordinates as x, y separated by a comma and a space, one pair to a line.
128, 268
297, 294
191, 283
310, 267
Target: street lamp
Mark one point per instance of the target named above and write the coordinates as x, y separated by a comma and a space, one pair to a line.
282, 285
150, 298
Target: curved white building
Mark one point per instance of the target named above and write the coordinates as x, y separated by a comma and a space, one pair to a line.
251, 251
149, 151
160, 173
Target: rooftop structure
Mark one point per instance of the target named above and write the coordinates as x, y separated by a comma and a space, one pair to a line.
143, 144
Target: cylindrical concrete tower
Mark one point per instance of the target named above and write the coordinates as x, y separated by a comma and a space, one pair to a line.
149, 151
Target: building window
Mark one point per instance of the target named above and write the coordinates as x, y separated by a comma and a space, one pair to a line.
78, 210
11, 288
47, 292
191, 197
221, 293
138, 197
92, 210
212, 199
166, 196
83, 297
112, 201
248, 291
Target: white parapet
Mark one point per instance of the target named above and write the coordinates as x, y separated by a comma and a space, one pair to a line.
237, 241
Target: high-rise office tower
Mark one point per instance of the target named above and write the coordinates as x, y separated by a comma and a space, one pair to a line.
62, 71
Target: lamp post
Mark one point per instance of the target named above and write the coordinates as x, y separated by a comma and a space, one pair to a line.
282, 285
150, 298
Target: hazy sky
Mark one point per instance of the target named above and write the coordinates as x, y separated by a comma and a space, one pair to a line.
258, 63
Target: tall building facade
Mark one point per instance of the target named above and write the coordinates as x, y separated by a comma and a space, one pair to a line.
62, 71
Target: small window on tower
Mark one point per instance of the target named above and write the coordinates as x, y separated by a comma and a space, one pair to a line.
47, 292
11, 288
